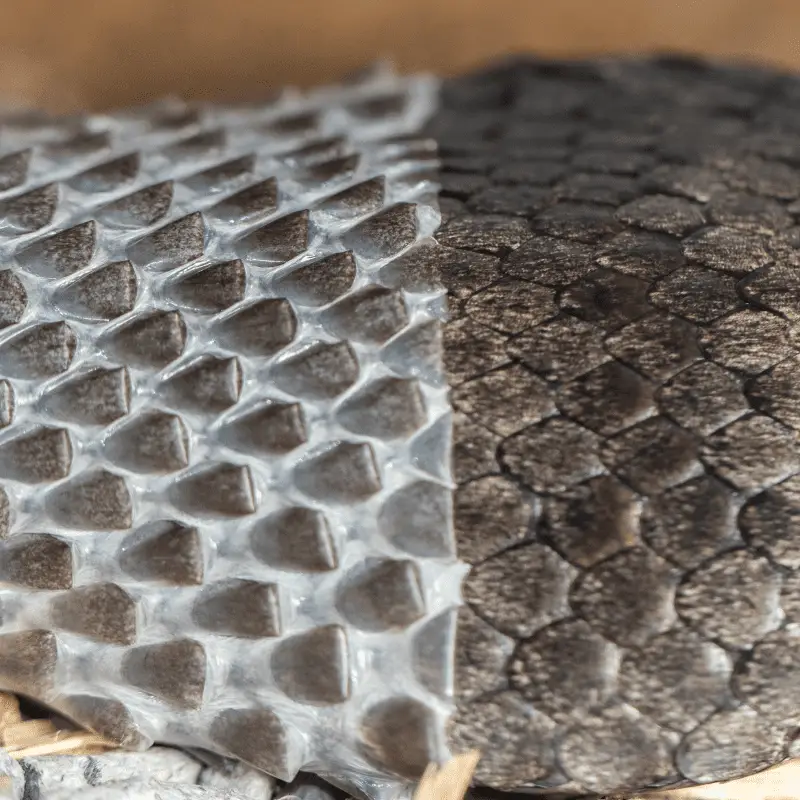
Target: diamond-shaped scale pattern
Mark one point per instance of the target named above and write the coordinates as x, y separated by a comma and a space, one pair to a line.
621, 264
224, 454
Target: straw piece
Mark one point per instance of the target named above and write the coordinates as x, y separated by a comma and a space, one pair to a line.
40, 737
23, 734
450, 781
9, 710
73, 743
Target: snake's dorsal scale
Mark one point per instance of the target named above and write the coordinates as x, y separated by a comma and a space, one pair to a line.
261, 410
623, 352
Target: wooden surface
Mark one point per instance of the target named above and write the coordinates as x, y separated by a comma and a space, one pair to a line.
71, 53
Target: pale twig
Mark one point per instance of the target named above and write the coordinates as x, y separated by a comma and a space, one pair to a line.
450, 781
40, 737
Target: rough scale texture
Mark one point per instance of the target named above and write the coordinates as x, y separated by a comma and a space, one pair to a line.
622, 259
227, 386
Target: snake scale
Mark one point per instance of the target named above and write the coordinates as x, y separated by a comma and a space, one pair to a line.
398, 418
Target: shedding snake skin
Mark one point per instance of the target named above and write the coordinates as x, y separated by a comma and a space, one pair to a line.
266, 394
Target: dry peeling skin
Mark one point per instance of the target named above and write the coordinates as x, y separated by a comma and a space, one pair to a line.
254, 395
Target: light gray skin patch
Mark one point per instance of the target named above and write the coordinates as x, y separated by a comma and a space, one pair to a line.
215, 412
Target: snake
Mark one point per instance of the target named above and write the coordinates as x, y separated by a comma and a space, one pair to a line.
391, 419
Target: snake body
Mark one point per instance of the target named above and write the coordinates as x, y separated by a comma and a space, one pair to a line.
482, 400
620, 247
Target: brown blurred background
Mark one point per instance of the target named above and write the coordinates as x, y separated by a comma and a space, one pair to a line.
65, 54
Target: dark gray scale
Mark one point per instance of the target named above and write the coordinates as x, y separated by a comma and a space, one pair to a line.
143, 207
60, 254
173, 245
104, 294
30, 210
108, 175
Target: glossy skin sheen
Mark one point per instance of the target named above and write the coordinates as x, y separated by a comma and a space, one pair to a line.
227, 383
216, 418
